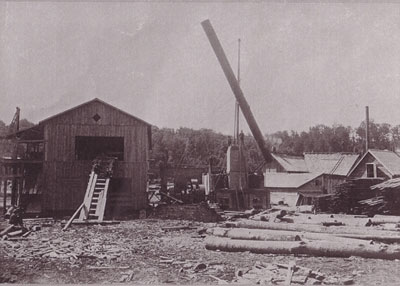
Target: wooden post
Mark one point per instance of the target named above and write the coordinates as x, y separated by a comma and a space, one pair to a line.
4, 184
291, 268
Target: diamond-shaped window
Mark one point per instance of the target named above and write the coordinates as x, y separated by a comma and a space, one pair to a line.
96, 117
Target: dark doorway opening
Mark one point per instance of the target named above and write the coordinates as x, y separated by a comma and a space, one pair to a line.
89, 147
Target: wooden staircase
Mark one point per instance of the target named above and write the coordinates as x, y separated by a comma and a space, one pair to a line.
94, 203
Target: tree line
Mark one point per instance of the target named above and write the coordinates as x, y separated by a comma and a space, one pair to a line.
185, 146
189, 147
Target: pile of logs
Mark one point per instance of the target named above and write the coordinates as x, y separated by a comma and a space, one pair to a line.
310, 235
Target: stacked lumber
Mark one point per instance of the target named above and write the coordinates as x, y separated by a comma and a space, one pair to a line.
373, 205
347, 195
304, 239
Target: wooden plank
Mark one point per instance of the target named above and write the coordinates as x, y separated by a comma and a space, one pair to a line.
3, 183
89, 222
88, 196
291, 268
73, 216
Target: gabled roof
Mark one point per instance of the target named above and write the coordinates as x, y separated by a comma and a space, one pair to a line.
292, 164
89, 102
390, 160
330, 163
285, 180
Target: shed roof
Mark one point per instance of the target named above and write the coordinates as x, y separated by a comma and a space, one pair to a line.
294, 164
330, 163
285, 180
89, 102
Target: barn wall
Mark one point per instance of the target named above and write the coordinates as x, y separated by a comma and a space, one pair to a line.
61, 140
331, 181
66, 182
66, 178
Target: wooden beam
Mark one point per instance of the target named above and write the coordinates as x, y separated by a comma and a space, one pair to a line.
73, 217
31, 141
236, 89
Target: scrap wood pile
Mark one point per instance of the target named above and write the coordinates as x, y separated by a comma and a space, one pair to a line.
67, 247
201, 212
373, 205
286, 274
313, 235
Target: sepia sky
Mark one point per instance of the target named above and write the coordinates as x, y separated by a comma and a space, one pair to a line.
301, 64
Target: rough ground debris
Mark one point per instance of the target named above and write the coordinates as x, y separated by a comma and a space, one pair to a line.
140, 251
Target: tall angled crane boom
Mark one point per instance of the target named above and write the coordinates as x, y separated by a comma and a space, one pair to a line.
237, 91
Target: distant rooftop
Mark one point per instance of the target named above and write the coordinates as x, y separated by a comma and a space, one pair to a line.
285, 180
317, 163
330, 163
295, 164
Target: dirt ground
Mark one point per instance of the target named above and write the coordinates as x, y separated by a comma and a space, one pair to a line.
140, 252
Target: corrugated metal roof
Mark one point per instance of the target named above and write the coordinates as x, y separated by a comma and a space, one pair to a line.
390, 160
291, 163
330, 163
285, 180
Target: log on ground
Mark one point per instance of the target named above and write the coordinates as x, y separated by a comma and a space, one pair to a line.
314, 248
311, 228
278, 235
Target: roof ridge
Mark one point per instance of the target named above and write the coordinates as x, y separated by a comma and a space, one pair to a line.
91, 101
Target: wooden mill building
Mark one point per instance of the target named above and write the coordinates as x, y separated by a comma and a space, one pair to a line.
58, 153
